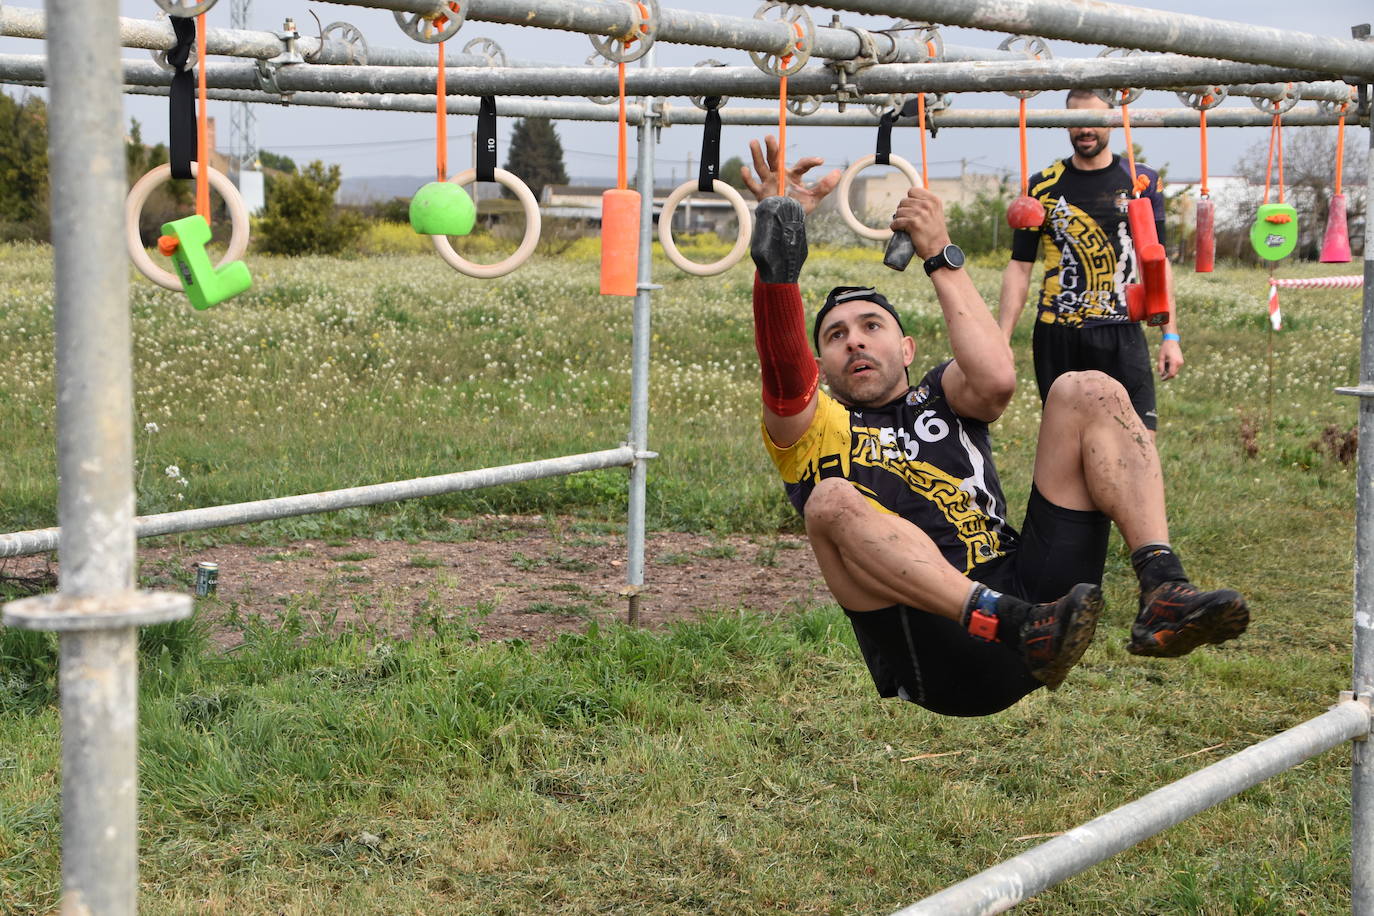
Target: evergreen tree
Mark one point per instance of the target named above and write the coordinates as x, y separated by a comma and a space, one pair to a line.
23, 167
535, 154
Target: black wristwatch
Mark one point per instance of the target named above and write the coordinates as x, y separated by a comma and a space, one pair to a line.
951, 256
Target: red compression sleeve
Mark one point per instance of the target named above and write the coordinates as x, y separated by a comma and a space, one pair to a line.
789, 369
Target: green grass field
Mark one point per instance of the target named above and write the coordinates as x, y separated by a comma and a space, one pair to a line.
742, 764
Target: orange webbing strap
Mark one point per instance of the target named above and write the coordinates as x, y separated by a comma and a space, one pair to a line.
203, 150
1278, 130
783, 63
1340, 146
440, 114
621, 181
1025, 173
1269, 161
1202, 123
782, 133
921, 127
1138, 182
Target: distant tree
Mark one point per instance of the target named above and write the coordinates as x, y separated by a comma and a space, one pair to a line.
301, 216
981, 224
23, 167
535, 154
730, 173
270, 160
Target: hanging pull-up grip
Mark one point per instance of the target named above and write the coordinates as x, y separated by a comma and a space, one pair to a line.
486, 146
620, 220
441, 207
882, 155
900, 249
1336, 241
707, 180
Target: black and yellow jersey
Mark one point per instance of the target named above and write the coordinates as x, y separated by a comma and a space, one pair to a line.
915, 458
1086, 241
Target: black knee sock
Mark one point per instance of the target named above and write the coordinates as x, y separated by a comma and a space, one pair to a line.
1156, 564
1010, 612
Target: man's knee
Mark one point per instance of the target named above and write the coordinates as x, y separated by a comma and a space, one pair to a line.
832, 502
1090, 389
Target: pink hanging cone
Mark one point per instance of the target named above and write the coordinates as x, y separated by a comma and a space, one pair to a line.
1336, 244
1206, 238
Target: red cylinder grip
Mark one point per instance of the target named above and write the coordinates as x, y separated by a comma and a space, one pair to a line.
1206, 235
1135, 301
619, 242
1336, 242
1154, 266
1140, 215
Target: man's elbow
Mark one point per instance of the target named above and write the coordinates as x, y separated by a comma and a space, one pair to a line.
997, 388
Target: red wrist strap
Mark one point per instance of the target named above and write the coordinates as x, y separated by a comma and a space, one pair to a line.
788, 368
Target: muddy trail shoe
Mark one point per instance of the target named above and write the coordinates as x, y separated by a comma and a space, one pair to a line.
1055, 635
1176, 618
778, 246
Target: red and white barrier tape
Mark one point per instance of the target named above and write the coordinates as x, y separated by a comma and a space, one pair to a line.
1352, 282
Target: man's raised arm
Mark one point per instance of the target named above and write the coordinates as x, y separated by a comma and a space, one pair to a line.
789, 372
982, 378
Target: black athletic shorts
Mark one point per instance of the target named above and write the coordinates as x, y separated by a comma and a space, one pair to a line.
1116, 349
933, 661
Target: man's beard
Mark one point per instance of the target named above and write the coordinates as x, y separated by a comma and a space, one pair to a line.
1098, 146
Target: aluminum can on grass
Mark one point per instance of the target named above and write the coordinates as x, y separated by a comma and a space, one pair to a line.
207, 579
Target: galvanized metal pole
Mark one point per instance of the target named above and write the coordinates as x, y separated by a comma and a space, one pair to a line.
96, 610
98, 670
1362, 762
679, 26
1119, 25
855, 116
1005, 885
639, 362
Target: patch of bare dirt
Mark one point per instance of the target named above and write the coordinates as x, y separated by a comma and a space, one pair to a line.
526, 577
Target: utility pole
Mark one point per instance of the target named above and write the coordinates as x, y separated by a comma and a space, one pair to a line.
243, 124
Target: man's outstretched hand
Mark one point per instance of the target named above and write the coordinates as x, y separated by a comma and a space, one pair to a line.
921, 216
766, 184
779, 243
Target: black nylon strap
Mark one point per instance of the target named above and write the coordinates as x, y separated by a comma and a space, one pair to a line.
884, 150
181, 128
710, 146
486, 139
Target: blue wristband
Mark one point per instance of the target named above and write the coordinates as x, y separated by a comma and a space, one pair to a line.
1170, 336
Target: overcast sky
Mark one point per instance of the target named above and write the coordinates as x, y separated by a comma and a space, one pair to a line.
368, 143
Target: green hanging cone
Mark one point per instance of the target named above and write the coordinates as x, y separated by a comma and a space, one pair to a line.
442, 208
1275, 232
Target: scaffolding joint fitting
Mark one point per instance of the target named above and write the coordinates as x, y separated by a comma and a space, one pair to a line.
1349, 696
59, 613
267, 79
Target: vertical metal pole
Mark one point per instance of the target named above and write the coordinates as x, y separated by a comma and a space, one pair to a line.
639, 366
1362, 768
97, 669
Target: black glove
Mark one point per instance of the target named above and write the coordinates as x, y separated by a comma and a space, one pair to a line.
779, 243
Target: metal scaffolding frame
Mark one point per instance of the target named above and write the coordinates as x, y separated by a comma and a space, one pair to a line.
97, 610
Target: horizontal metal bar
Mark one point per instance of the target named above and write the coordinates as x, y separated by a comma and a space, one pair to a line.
855, 116
697, 81
1005, 885
24, 543
678, 26
1119, 25
157, 35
